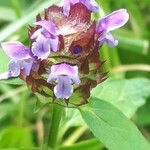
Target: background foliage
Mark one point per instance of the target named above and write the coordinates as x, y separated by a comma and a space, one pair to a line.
24, 120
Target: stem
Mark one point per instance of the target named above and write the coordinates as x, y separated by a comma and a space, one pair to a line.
21, 110
51, 140
133, 67
75, 136
105, 56
115, 61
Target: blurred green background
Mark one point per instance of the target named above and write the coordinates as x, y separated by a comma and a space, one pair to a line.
21, 119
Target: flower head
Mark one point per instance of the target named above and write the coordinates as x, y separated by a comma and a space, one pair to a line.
64, 51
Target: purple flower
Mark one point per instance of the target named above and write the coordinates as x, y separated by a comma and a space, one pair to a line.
64, 75
64, 44
20, 59
90, 4
111, 22
46, 39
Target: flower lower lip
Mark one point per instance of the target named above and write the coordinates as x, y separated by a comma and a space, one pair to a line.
65, 75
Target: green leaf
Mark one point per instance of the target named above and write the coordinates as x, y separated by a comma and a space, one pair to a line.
6, 110
14, 81
126, 94
143, 114
111, 127
92, 144
7, 14
71, 118
20, 149
140, 46
15, 136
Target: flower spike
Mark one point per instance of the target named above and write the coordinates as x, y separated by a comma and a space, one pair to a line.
62, 61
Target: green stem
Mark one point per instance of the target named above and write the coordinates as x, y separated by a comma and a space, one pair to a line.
21, 109
75, 136
105, 56
115, 61
51, 141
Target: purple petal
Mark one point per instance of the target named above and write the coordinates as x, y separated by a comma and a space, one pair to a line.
40, 31
64, 75
14, 68
109, 39
91, 5
54, 43
46, 33
36, 66
75, 79
26, 65
74, 1
64, 69
113, 21
51, 78
64, 88
41, 47
16, 50
36, 34
48, 25
66, 8
66, 5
